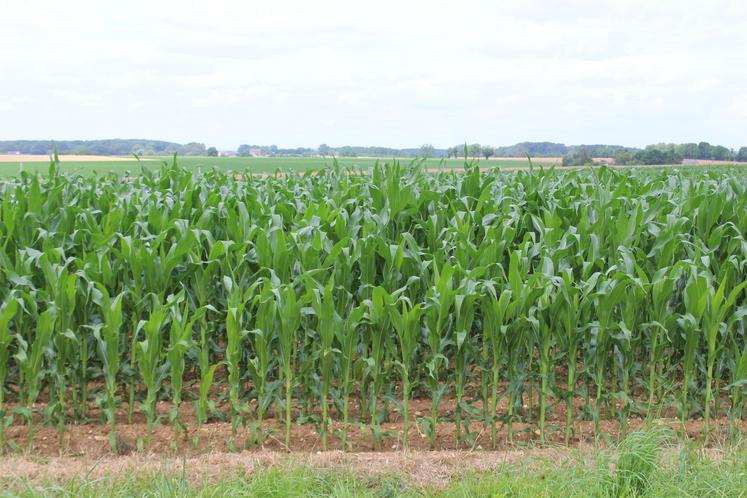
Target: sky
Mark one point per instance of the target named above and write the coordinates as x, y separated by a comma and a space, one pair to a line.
391, 73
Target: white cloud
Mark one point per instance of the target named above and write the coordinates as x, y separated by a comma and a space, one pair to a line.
386, 73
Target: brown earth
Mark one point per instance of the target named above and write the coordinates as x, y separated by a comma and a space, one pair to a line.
697, 162
89, 438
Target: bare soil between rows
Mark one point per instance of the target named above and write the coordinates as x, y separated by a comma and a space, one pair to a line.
86, 452
91, 440
90, 436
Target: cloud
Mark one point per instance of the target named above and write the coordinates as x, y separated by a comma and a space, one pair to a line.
388, 73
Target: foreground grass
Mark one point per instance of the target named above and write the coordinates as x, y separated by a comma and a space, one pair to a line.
642, 465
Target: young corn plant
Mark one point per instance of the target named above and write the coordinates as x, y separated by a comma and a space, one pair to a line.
696, 302
494, 309
661, 288
235, 336
523, 294
348, 338
406, 324
7, 312
567, 309
31, 360
378, 318
439, 301
150, 362
545, 340
289, 309
108, 339
607, 298
464, 307
328, 324
714, 322
259, 365
180, 343
201, 348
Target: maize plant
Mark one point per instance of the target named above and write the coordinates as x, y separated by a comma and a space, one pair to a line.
259, 365
7, 312
235, 335
290, 322
150, 361
30, 358
328, 324
407, 326
108, 339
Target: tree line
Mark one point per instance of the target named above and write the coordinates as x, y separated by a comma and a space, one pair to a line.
572, 154
662, 153
109, 147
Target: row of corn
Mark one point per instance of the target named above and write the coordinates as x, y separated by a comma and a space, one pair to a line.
342, 296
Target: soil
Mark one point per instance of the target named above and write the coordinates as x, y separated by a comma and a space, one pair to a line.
89, 438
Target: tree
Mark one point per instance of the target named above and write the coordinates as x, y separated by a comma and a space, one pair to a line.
346, 151
488, 151
212, 152
721, 153
325, 150
687, 150
578, 157
474, 150
624, 156
704, 150
742, 155
244, 150
192, 149
426, 151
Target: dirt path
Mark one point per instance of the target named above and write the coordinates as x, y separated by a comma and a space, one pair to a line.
422, 467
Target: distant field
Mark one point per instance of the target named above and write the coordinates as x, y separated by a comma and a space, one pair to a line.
87, 165
11, 165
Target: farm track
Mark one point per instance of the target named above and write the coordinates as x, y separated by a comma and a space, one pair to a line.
425, 468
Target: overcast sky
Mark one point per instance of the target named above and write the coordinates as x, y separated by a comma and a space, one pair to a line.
395, 73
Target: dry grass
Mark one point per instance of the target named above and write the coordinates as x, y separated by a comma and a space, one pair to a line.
425, 468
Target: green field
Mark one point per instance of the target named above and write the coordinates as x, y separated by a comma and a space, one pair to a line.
256, 164
265, 300
273, 164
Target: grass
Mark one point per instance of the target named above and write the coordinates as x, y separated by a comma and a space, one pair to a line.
642, 465
257, 164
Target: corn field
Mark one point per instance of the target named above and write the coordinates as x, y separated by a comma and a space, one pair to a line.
338, 298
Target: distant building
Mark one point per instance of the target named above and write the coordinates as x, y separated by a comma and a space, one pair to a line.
256, 152
227, 153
